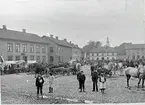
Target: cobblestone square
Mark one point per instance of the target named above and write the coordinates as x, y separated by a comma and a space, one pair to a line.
20, 89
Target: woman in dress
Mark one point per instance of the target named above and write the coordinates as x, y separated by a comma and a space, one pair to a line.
51, 80
102, 80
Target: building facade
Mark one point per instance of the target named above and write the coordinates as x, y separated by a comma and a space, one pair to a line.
59, 50
101, 53
135, 51
16, 45
76, 53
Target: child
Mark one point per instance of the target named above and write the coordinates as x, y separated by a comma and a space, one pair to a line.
51, 79
102, 80
39, 85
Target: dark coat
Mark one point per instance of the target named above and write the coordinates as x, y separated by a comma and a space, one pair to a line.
38, 83
82, 77
78, 75
94, 76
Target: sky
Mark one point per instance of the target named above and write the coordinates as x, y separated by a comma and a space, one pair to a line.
78, 21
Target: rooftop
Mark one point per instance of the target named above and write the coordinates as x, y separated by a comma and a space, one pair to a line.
102, 49
135, 46
62, 42
22, 36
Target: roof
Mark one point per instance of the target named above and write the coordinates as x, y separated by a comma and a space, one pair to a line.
134, 46
23, 36
60, 42
102, 49
74, 46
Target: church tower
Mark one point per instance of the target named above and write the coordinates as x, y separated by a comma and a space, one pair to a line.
107, 42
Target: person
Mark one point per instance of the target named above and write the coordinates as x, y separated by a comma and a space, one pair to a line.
92, 68
39, 85
78, 75
95, 80
51, 80
82, 79
102, 80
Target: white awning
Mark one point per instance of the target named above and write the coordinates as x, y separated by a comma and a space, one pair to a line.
10, 62
31, 62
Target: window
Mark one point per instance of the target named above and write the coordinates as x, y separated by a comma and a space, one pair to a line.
138, 56
17, 58
110, 54
17, 47
38, 58
31, 48
43, 49
10, 47
105, 54
100, 54
95, 54
51, 49
59, 59
38, 49
32, 57
10, 58
90, 54
51, 58
44, 58
133, 57
24, 48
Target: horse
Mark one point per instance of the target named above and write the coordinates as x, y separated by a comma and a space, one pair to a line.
137, 73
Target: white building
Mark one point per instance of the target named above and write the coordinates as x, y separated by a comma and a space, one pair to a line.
102, 53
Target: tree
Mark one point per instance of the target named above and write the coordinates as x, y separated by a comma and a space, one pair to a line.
90, 45
98, 44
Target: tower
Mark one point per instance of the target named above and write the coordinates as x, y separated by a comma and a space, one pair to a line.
107, 42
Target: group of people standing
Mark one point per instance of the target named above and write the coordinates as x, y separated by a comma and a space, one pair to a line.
95, 78
80, 77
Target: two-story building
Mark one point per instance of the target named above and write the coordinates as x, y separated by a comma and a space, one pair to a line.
59, 50
101, 53
76, 52
135, 51
20, 45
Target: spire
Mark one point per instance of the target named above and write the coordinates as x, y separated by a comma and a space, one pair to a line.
107, 42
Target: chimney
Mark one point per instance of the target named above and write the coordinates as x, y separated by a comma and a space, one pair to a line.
51, 36
24, 30
70, 42
4, 27
65, 40
56, 37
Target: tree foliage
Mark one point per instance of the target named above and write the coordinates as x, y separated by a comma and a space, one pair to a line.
92, 44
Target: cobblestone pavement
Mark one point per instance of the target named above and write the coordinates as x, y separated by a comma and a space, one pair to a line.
18, 89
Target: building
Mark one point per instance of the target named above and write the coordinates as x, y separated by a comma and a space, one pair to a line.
60, 50
135, 51
102, 53
76, 52
121, 52
16, 45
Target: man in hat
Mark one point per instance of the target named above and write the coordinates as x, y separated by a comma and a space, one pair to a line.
95, 80
82, 79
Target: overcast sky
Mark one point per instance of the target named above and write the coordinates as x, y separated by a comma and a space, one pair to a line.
78, 20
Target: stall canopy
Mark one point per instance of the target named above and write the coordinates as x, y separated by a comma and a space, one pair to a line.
20, 61
31, 62
10, 62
